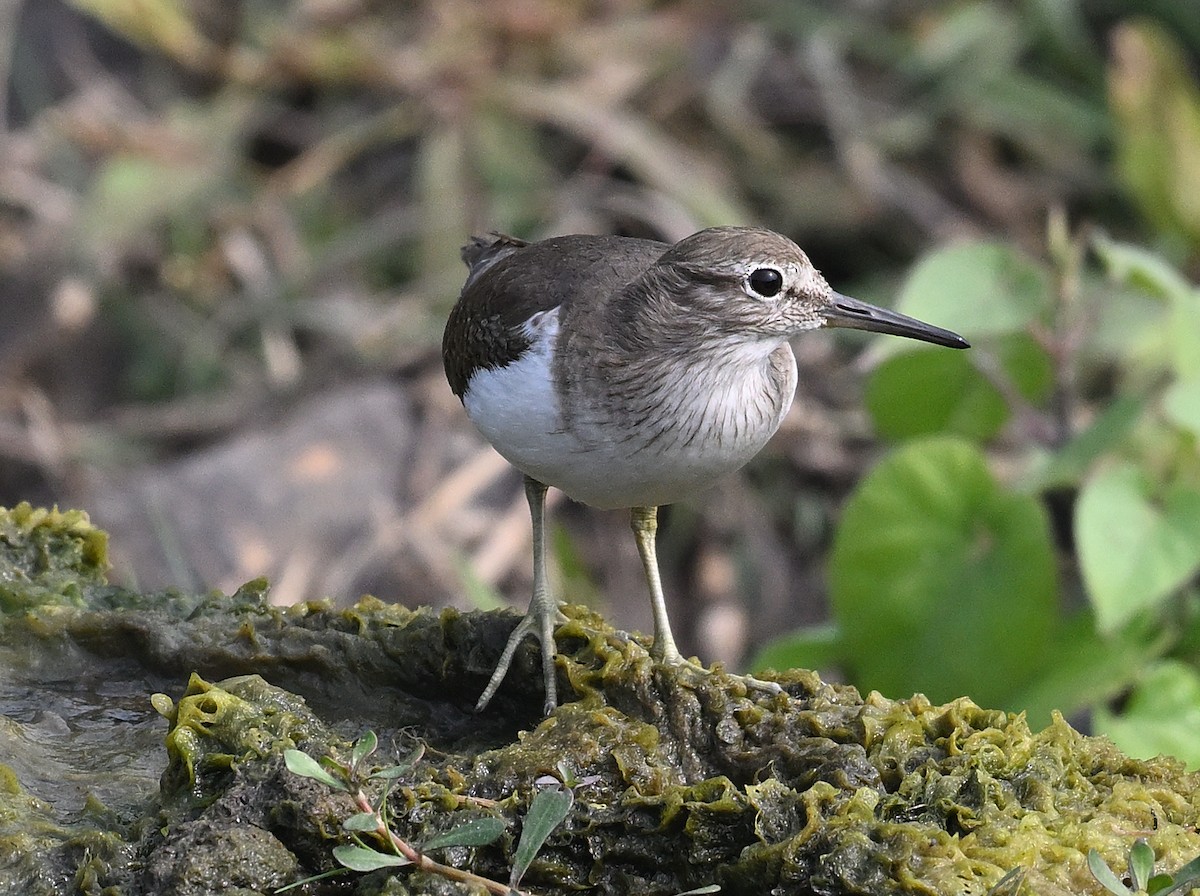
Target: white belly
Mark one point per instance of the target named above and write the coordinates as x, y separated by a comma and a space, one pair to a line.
598, 462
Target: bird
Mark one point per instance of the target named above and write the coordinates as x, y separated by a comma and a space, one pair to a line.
631, 373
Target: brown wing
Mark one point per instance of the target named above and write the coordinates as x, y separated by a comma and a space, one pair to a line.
511, 280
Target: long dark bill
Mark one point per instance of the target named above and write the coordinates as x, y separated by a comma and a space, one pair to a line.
844, 311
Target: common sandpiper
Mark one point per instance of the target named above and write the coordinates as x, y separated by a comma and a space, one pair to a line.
631, 373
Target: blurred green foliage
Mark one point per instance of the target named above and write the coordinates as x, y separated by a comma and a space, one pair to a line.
1083, 385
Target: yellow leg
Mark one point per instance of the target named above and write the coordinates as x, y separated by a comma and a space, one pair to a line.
543, 613
645, 528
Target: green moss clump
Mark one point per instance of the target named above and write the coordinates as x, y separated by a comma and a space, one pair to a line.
214, 728
48, 555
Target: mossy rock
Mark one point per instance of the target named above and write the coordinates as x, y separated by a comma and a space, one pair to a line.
142, 737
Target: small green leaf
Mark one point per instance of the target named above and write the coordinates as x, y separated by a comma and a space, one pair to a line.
477, 592
1010, 884
1071, 463
546, 812
401, 768
1141, 863
390, 773
1137, 543
1159, 884
363, 747
333, 872
1104, 875
710, 888
812, 647
1181, 403
1161, 716
1185, 879
923, 392
362, 821
477, 832
359, 858
1028, 366
1140, 267
302, 764
979, 289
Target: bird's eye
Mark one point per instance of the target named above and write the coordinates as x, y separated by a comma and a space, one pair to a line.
766, 282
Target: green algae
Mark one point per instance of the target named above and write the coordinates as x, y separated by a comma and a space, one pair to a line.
166, 776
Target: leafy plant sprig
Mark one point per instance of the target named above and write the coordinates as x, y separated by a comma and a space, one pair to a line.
1142, 879
549, 807
371, 821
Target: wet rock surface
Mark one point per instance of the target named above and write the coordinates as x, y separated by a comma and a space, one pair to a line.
141, 743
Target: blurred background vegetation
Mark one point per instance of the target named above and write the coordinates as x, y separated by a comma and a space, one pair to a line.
229, 237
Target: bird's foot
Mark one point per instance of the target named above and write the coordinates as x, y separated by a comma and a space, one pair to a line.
538, 623
691, 667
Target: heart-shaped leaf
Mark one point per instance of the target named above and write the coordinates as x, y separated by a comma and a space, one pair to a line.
941, 580
979, 289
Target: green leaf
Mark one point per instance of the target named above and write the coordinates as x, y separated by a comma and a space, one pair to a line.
477, 832
814, 647
699, 891
1071, 463
547, 811
1141, 267
1155, 108
478, 593
333, 872
1134, 549
359, 858
1141, 863
1181, 404
942, 581
363, 747
1010, 884
401, 768
1184, 879
1088, 668
978, 289
361, 821
1027, 364
304, 765
1104, 875
1183, 337
1161, 716
929, 391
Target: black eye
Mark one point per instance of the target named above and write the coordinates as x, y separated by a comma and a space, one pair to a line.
766, 282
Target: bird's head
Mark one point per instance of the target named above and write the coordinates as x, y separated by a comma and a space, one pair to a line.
749, 282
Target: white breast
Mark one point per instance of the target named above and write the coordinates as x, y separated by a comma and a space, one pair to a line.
726, 416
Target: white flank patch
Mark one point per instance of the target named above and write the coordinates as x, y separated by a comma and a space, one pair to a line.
516, 408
